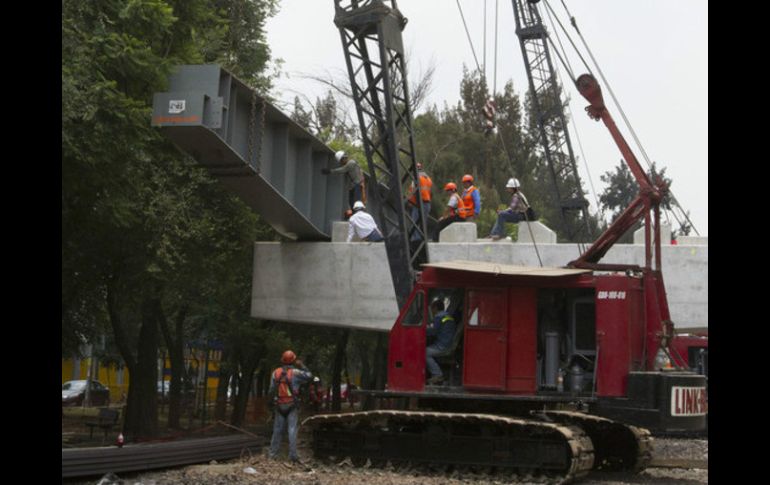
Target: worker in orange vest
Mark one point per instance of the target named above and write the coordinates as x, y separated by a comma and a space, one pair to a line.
471, 198
285, 389
426, 184
454, 212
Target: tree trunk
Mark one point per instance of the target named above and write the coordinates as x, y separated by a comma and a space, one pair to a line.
241, 400
175, 346
220, 409
339, 355
142, 411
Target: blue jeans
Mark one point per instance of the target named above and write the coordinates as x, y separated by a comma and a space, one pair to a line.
354, 194
374, 236
279, 424
414, 211
433, 368
499, 228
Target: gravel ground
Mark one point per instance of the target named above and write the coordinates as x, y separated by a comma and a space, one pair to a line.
261, 470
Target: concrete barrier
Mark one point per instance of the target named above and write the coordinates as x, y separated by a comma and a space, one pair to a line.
458, 232
665, 234
349, 285
541, 233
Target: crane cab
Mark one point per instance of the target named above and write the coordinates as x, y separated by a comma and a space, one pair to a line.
544, 335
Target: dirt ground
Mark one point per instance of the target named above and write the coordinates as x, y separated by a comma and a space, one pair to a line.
261, 470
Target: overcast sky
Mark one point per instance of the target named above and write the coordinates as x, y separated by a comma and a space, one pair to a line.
654, 54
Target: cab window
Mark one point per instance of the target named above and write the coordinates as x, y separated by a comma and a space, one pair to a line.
414, 314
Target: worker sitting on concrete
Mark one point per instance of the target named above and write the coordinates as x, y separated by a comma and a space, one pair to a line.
454, 211
353, 175
362, 225
440, 333
515, 211
471, 198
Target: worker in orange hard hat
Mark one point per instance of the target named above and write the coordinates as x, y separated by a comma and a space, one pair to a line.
413, 205
285, 388
454, 212
471, 198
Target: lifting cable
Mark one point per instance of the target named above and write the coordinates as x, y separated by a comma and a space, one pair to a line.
478, 67
499, 135
614, 99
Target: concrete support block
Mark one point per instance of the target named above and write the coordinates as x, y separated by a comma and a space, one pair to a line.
458, 232
340, 232
542, 233
665, 234
692, 240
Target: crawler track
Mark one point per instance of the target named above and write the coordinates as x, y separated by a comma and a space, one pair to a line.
453, 442
617, 446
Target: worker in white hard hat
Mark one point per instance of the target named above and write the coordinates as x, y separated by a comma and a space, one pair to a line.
515, 211
362, 225
353, 175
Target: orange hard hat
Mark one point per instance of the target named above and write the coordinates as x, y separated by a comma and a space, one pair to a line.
467, 178
288, 357
450, 186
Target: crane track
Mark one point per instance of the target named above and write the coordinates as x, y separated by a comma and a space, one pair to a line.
617, 446
456, 443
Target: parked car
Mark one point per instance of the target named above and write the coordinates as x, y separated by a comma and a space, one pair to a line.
73, 393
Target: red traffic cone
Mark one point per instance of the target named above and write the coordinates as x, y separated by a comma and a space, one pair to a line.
120, 441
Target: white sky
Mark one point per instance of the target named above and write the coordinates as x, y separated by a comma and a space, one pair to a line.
654, 54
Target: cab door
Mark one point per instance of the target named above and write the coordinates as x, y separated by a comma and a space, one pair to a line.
406, 352
486, 332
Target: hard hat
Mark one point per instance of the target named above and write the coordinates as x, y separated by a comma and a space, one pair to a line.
450, 186
339, 155
288, 357
468, 178
513, 183
358, 205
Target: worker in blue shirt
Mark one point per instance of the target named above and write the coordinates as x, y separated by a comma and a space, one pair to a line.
442, 330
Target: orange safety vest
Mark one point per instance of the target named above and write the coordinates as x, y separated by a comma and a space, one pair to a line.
282, 378
425, 185
460, 211
468, 202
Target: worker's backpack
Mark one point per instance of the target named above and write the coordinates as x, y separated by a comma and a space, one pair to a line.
530, 214
284, 399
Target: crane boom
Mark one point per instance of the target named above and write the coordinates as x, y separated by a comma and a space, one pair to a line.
374, 54
551, 123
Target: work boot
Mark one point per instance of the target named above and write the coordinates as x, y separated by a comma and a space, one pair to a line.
437, 379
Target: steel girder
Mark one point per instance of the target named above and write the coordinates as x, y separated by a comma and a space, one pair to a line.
272, 163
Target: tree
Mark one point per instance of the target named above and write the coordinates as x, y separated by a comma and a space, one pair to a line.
622, 188
134, 212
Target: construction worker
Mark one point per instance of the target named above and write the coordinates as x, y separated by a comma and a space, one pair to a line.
454, 211
514, 212
285, 388
425, 188
440, 333
353, 175
362, 225
471, 198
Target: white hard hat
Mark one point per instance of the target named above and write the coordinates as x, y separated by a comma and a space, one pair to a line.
359, 205
339, 155
513, 183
